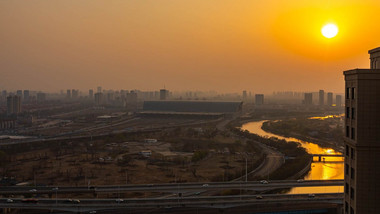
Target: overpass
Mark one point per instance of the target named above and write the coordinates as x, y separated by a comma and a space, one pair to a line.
171, 187
209, 202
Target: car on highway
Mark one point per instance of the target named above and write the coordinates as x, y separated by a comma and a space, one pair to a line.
311, 195
205, 185
76, 201
259, 197
92, 212
32, 190
264, 182
300, 180
54, 189
119, 200
9, 200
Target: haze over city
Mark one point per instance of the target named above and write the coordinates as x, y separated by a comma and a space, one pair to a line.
260, 46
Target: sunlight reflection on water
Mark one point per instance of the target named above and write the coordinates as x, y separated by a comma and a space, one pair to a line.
319, 170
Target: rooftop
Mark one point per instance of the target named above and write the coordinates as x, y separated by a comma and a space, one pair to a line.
374, 50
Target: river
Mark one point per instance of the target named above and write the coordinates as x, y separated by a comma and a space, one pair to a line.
319, 170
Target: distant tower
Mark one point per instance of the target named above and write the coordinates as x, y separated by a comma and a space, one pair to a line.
91, 94
244, 95
362, 138
164, 94
338, 101
19, 93
26, 96
308, 99
13, 104
99, 89
321, 97
259, 99
68, 94
99, 100
329, 99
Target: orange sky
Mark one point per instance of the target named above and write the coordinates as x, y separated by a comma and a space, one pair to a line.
222, 45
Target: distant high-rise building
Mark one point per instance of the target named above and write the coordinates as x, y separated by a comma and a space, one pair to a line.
329, 99
308, 99
99, 100
99, 89
26, 95
91, 94
164, 94
68, 94
362, 138
13, 104
244, 95
321, 97
41, 97
19, 93
259, 99
4, 93
338, 101
74, 94
131, 99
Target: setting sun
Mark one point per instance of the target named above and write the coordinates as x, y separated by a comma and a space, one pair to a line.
329, 31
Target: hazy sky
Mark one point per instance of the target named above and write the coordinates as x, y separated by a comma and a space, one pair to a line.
223, 45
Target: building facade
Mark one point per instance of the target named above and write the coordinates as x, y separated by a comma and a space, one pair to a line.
259, 99
308, 99
329, 99
321, 97
362, 139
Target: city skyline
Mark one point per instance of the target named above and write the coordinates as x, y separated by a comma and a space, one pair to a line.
202, 45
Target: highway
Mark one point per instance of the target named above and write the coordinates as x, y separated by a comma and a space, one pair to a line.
85, 205
172, 187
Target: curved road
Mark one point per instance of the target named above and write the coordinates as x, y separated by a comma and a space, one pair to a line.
273, 160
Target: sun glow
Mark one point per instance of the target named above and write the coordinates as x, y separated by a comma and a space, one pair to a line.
329, 31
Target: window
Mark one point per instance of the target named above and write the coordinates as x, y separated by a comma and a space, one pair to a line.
347, 93
353, 133
347, 131
352, 173
347, 151
352, 153
352, 193
347, 188
345, 207
352, 93
346, 169
347, 112
353, 113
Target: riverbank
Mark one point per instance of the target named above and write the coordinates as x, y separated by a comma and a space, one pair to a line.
337, 146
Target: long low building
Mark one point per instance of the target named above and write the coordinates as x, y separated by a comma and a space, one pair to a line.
188, 108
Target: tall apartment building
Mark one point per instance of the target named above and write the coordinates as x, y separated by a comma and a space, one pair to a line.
244, 95
338, 101
329, 99
91, 94
26, 95
99, 100
321, 97
308, 99
259, 99
13, 104
164, 94
362, 138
